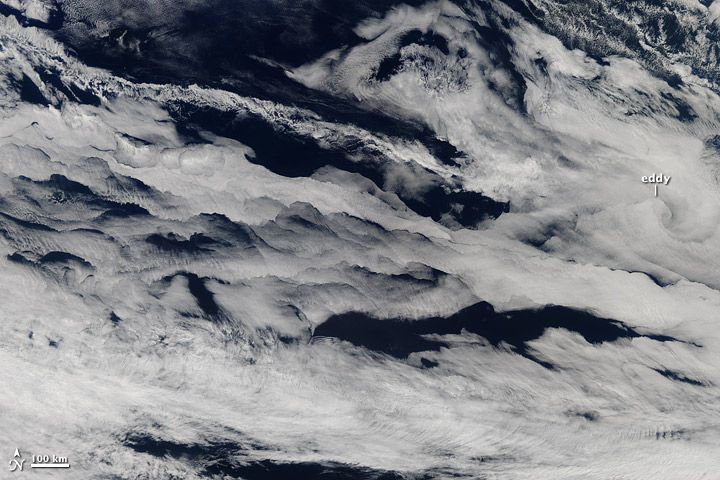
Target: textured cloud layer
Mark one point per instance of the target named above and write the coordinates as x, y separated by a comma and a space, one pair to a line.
205, 283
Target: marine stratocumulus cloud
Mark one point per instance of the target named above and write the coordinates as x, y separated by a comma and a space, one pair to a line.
319, 239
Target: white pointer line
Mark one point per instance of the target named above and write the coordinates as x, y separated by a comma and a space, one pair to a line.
49, 465
656, 189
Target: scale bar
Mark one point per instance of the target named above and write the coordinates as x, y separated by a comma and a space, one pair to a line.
49, 465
